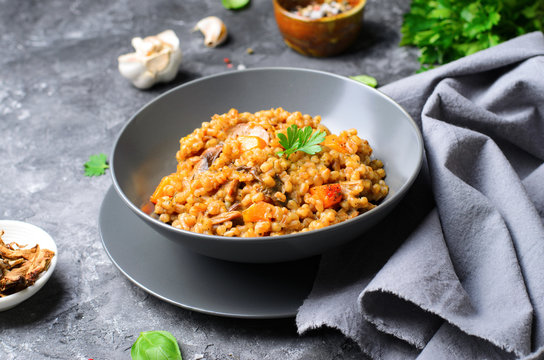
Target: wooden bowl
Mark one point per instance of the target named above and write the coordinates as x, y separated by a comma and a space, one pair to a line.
322, 37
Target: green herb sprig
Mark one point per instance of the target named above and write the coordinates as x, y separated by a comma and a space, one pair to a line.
155, 345
446, 30
96, 165
300, 140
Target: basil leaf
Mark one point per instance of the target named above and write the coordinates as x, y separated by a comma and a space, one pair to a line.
155, 345
234, 4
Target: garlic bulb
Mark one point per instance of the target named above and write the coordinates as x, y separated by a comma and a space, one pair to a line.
156, 59
213, 29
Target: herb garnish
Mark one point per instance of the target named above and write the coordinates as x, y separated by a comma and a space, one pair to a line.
234, 4
446, 30
300, 140
365, 79
155, 345
96, 165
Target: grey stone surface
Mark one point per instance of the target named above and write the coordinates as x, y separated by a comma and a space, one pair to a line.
62, 99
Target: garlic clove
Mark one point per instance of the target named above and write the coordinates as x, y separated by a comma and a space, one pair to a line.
169, 37
213, 29
130, 66
159, 62
156, 59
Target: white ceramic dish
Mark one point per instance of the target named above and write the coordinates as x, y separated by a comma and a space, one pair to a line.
27, 234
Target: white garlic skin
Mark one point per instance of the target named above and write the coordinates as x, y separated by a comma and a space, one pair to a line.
156, 59
214, 30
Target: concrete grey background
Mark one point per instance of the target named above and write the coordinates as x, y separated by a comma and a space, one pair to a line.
62, 99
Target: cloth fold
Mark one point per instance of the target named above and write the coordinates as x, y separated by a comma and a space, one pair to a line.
457, 270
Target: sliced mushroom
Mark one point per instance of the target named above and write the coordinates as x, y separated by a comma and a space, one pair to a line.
348, 186
252, 170
267, 191
13, 263
226, 216
243, 168
212, 153
207, 158
269, 199
235, 206
232, 187
246, 130
4, 266
20, 267
277, 187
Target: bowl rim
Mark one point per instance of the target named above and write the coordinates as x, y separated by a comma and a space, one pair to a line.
386, 203
350, 12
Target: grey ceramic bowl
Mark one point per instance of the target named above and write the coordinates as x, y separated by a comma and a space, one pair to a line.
145, 149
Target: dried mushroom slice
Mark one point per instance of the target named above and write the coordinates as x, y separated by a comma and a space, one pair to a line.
20, 267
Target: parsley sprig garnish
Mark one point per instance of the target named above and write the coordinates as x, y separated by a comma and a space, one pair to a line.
96, 165
300, 140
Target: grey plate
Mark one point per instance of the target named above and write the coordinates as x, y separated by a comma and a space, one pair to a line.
170, 272
145, 149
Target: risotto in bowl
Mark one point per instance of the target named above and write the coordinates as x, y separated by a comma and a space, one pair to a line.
266, 165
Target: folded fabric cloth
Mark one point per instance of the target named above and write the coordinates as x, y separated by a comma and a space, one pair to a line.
457, 270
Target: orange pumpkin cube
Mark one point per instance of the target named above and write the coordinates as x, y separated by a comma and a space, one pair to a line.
260, 211
330, 194
251, 142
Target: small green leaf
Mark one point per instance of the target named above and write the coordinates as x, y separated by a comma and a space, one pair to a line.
468, 13
155, 345
96, 165
434, 38
310, 149
440, 13
304, 140
292, 136
234, 4
283, 140
494, 18
365, 79
317, 138
305, 135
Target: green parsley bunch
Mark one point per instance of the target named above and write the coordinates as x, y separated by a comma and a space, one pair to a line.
446, 30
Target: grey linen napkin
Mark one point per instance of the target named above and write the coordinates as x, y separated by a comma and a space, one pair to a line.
457, 270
